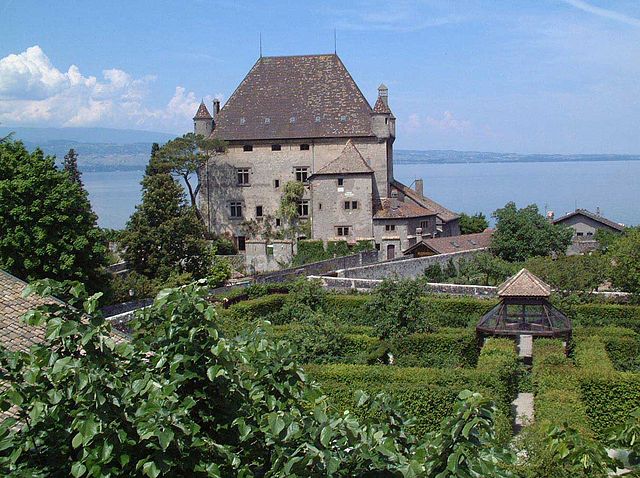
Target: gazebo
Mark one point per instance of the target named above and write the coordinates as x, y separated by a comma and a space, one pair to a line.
524, 309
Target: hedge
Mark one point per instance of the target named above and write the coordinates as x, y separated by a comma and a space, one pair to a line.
606, 314
622, 345
427, 394
456, 311
445, 348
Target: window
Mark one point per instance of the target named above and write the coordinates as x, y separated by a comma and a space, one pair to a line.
242, 244
243, 176
304, 147
342, 230
303, 208
580, 234
424, 225
267, 120
276, 183
276, 147
589, 233
278, 222
351, 204
292, 119
247, 147
320, 206
242, 120
318, 119
377, 246
340, 181
236, 209
343, 118
302, 174
389, 227
258, 211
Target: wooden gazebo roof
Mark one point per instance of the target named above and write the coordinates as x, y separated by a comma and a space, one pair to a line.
524, 309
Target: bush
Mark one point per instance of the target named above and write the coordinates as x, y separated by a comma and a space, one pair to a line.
606, 314
309, 251
622, 345
338, 249
455, 311
444, 348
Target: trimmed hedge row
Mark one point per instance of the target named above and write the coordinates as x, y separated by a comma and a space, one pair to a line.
606, 314
622, 345
426, 393
448, 347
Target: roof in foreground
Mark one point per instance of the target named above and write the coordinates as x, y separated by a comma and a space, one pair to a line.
349, 161
446, 245
591, 215
524, 284
443, 213
287, 97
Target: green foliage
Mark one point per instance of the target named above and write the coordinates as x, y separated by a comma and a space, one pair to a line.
224, 246
435, 274
164, 236
625, 258
292, 194
395, 308
219, 272
484, 268
363, 245
338, 248
622, 345
571, 273
309, 251
444, 348
70, 166
524, 233
183, 157
47, 227
470, 224
606, 314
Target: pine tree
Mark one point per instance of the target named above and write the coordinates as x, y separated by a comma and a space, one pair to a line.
164, 236
153, 167
70, 165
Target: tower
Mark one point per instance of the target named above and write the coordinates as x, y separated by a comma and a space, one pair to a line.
203, 121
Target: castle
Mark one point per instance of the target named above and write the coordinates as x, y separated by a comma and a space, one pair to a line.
304, 118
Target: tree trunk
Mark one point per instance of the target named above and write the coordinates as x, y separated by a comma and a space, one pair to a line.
193, 196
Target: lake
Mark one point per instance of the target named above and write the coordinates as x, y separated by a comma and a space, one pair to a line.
613, 186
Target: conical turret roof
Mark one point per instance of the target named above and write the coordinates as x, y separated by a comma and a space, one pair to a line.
203, 112
524, 284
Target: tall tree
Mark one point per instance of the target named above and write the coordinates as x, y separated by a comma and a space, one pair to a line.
470, 224
70, 165
47, 227
184, 157
164, 236
524, 233
152, 167
288, 210
625, 260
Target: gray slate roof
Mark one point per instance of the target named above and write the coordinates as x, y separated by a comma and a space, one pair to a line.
349, 161
591, 215
524, 284
288, 97
466, 242
203, 112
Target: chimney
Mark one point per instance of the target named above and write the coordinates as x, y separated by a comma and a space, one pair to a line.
419, 231
394, 200
383, 94
550, 215
216, 109
420, 186
598, 210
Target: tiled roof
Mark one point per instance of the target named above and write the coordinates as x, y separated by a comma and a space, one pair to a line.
308, 96
591, 215
349, 161
404, 210
381, 107
524, 284
203, 112
467, 242
15, 334
443, 213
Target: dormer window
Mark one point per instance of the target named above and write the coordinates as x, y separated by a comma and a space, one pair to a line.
304, 147
318, 119
267, 120
276, 147
242, 120
292, 119
247, 147
343, 118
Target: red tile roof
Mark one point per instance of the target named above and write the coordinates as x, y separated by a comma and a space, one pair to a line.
466, 242
381, 107
404, 210
203, 112
308, 96
524, 284
443, 213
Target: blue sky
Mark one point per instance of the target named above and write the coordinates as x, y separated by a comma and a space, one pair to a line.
537, 76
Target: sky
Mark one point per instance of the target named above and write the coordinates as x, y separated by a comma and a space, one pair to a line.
530, 76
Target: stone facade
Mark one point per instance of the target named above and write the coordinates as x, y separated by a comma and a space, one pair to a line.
304, 119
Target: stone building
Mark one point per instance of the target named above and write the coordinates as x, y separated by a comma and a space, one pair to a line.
585, 224
303, 118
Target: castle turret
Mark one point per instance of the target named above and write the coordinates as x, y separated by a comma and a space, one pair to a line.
203, 121
383, 121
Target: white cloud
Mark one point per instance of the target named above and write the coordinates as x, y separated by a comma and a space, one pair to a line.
448, 123
33, 91
604, 13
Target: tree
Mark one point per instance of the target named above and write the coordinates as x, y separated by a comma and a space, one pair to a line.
184, 157
524, 233
625, 260
472, 224
47, 227
292, 194
70, 165
164, 236
486, 268
153, 166
571, 273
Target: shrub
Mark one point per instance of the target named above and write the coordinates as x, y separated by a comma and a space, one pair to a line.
444, 348
622, 345
309, 251
455, 311
338, 249
606, 314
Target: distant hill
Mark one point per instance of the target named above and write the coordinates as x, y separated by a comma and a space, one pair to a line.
450, 156
99, 149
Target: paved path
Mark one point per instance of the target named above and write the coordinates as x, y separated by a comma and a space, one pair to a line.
525, 346
523, 411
